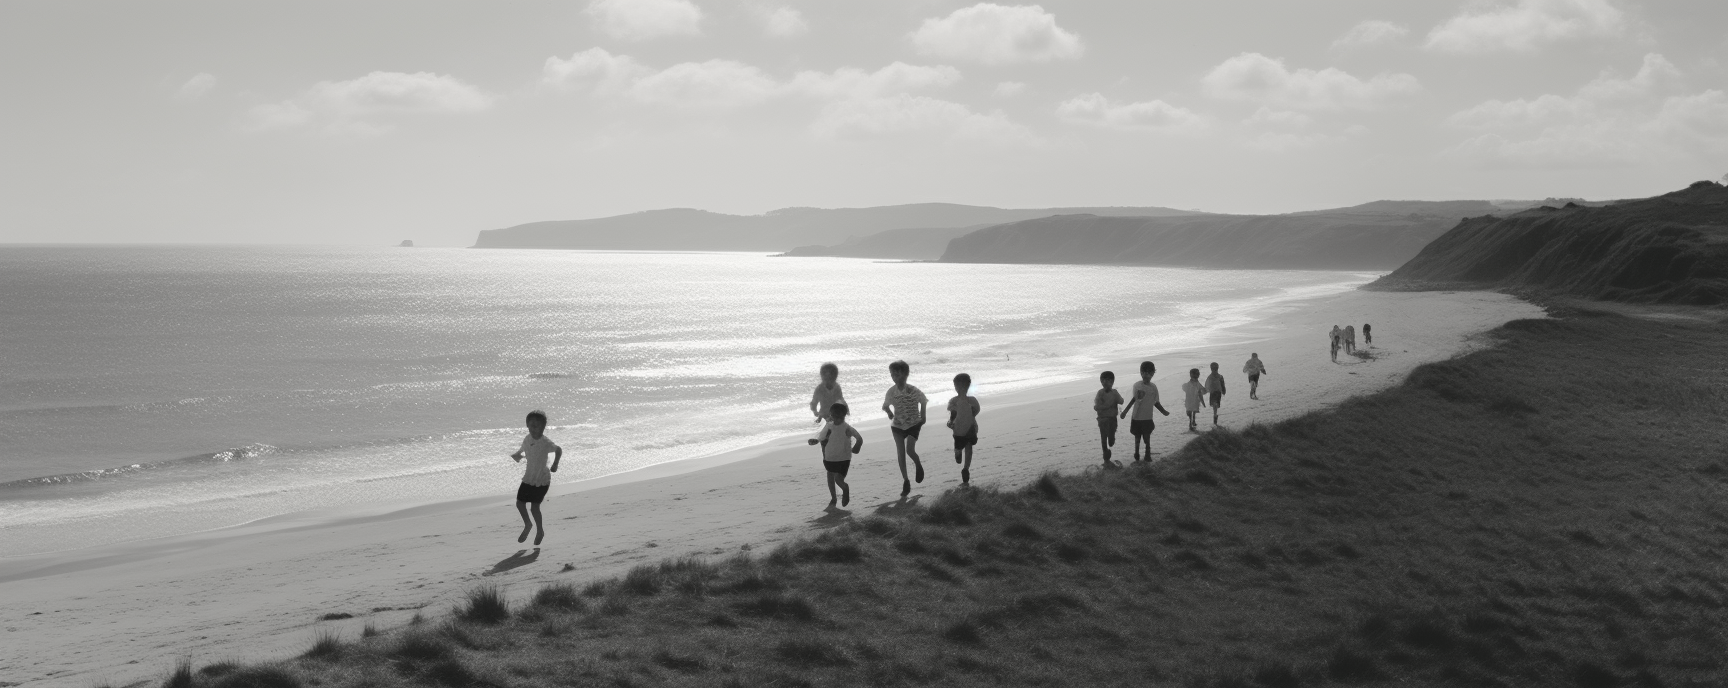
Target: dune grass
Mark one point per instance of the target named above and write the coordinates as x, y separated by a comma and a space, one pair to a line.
1544, 512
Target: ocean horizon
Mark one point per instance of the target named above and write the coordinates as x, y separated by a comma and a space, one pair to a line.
149, 391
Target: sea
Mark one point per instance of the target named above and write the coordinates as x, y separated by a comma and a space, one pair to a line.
151, 391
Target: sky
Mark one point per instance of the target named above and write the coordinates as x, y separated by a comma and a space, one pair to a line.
369, 122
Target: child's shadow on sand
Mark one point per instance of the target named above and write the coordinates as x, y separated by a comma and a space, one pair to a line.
521, 558
834, 516
898, 506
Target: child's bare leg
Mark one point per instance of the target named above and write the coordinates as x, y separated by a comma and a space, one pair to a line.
527, 525
832, 496
912, 451
966, 470
845, 490
539, 523
1104, 443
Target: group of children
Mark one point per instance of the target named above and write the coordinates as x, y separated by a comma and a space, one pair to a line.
1346, 339
907, 408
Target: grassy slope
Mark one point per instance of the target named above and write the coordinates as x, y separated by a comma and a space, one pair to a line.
1545, 512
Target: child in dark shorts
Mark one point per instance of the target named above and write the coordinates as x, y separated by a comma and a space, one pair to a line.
836, 459
963, 419
1105, 403
906, 407
1144, 401
537, 476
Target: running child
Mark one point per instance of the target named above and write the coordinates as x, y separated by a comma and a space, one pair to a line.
1215, 392
1367, 334
963, 419
1144, 402
906, 406
1350, 339
537, 478
1254, 368
1193, 391
1105, 403
836, 459
827, 394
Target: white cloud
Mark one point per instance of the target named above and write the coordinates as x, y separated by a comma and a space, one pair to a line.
357, 105
710, 84
1371, 32
851, 83
1526, 25
594, 69
1278, 119
1610, 121
1255, 77
783, 21
635, 20
1154, 115
909, 114
997, 34
197, 86
1009, 89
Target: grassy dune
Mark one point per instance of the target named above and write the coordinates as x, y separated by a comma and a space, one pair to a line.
1548, 511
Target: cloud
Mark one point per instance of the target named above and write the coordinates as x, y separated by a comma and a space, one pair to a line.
636, 20
197, 86
1609, 121
1153, 116
910, 114
1371, 32
1526, 25
783, 21
594, 69
1009, 89
712, 84
1278, 119
852, 83
1255, 77
358, 105
997, 34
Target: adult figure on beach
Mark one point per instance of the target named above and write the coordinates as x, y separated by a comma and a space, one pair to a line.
1367, 334
1350, 339
1336, 335
1254, 368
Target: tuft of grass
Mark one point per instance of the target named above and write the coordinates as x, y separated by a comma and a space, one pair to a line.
420, 646
369, 631
217, 670
778, 607
486, 605
181, 676
268, 676
1047, 487
963, 632
562, 597
326, 645
336, 616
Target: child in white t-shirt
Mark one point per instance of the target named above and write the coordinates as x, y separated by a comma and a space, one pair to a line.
537, 478
963, 420
836, 456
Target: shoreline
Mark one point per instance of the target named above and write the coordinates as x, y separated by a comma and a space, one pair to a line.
330, 563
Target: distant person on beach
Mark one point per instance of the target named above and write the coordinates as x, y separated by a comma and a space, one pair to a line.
827, 394
836, 454
963, 420
1193, 393
1336, 335
1350, 339
1105, 403
1367, 334
1215, 392
1254, 368
906, 407
537, 478
1144, 402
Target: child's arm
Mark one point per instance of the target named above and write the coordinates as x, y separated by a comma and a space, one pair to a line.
857, 439
923, 410
1160, 408
976, 409
557, 455
1131, 403
517, 456
952, 414
885, 407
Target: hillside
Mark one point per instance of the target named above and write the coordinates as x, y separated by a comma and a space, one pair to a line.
912, 243
685, 229
1343, 239
1667, 249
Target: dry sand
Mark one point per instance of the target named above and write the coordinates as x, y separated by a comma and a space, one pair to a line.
124, 613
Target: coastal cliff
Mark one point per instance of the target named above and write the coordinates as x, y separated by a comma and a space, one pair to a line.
686, 229
1671, 248
1373, 237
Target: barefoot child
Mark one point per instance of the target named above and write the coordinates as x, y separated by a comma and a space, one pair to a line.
906, 405
1192, 394
1215, 392
1105, 403
537, 479
963, 419
1144, 402
836, 458
1254, 368
827, 394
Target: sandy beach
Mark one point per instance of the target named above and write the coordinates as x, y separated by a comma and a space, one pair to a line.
124, 613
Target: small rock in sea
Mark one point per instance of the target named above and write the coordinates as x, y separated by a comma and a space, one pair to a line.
407, 243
